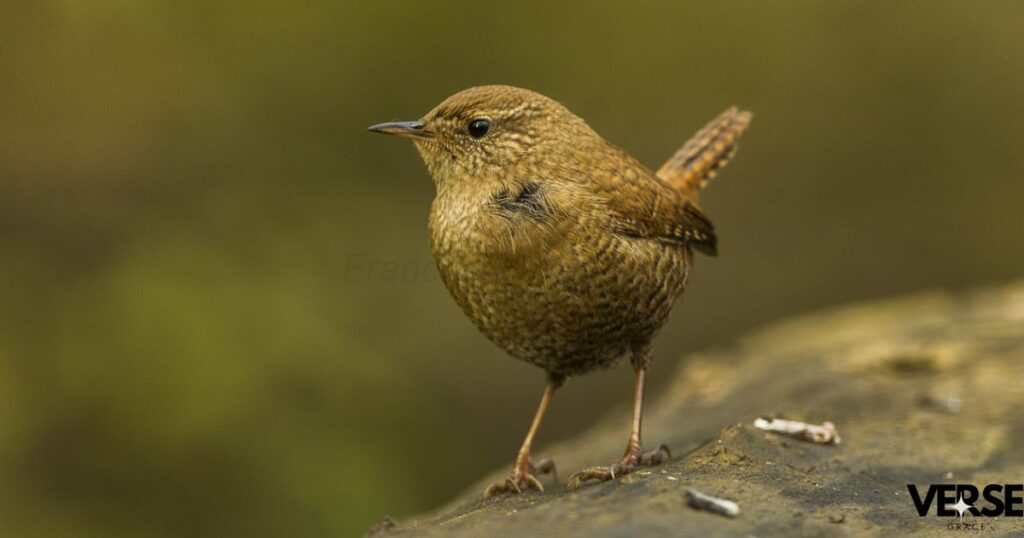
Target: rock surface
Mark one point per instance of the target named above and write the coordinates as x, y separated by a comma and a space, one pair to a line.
925, 390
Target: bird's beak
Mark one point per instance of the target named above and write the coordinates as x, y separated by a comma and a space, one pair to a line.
405, 129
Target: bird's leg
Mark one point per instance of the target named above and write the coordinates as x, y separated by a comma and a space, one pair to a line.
524, 470
634, 456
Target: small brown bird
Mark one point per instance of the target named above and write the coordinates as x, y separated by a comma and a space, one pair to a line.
563, 249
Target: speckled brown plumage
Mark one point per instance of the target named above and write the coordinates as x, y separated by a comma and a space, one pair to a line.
563, 249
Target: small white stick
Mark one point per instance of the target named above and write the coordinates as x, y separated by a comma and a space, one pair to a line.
703, 501
825, 434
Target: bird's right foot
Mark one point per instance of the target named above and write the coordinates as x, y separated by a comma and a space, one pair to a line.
634, 458
523, 477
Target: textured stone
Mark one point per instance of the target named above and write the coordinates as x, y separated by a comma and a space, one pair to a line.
926, 389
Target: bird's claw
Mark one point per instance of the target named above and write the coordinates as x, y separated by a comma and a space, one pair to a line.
626, 465
523, 477
656, 456
600, 473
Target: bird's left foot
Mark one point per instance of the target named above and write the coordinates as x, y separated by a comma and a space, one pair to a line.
523, 477
633, 459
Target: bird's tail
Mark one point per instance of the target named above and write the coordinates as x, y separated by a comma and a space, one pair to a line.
700, 158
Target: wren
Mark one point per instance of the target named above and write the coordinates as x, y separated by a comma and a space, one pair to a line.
563, 249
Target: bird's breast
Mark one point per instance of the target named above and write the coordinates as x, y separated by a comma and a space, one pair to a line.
564, 293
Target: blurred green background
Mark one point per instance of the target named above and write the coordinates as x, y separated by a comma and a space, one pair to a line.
219, 312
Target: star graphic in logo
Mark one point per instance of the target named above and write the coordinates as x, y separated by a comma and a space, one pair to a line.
961, 506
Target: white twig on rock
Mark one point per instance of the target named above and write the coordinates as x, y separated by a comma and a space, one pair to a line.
824, 434
703, 501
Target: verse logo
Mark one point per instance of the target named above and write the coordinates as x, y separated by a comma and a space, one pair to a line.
360, 267
955, 500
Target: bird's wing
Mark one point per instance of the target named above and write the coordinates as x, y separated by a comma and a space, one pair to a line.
642, 205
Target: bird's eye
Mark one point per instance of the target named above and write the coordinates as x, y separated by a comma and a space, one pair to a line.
479, 127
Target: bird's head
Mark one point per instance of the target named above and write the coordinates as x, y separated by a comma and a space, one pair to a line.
492, 133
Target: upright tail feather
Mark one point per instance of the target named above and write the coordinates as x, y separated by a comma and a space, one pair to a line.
694, 164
